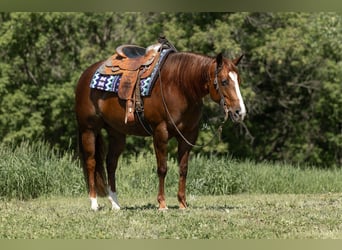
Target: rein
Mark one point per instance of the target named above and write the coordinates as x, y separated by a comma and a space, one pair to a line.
219, 130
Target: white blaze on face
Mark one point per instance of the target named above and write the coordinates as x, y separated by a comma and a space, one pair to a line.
234, 77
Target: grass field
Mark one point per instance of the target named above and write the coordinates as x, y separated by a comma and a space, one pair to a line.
208, 217
43, 196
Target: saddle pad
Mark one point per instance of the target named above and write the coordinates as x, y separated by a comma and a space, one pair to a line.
111, 83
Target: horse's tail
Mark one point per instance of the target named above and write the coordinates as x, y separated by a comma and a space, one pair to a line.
100, 174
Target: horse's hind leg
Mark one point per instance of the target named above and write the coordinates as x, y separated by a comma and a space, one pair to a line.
115, 148
88, 148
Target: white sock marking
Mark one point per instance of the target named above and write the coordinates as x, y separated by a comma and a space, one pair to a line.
94, 206
112, 197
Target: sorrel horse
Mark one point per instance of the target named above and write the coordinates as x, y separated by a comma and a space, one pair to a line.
172, 110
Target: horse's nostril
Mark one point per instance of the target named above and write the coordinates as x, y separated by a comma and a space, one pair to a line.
238, 115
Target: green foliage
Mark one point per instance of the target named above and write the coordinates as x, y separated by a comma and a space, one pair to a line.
292, 59
291, 76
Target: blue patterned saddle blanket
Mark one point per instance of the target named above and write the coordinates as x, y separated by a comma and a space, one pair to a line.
111, 82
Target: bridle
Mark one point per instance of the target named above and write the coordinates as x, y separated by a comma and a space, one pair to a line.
222, 103
222, 100
225, 106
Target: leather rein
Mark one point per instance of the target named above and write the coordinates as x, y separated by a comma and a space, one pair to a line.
222, 103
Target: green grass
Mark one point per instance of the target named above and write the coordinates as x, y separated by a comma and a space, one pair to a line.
33, 170
224, 175
42, 195
208, 217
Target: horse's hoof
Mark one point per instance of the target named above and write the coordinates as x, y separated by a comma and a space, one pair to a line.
182, 205
95, 209
116, 208
163, 209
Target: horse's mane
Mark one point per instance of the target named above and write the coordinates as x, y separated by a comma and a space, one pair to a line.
190, 71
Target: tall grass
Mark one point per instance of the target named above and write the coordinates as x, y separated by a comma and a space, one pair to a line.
225, 175
30, 170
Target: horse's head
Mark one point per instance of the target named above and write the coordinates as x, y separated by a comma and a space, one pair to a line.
224, 87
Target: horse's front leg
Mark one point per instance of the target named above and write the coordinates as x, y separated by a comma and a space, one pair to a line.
183, 159
115, 148
160, 139
183, 171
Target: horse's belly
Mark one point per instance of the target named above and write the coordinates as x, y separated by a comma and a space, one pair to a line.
112, 110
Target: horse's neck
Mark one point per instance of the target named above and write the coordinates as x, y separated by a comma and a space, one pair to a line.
195, 69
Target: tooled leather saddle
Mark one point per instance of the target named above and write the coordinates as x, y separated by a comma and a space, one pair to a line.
132, 63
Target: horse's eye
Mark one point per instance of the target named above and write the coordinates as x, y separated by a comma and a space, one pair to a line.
224, 82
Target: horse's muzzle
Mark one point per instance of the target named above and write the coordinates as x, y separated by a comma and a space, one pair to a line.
237, 115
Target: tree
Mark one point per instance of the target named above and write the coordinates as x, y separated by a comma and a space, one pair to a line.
294, 69
291, 76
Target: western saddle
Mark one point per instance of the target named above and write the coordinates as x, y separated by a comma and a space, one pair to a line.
133, 63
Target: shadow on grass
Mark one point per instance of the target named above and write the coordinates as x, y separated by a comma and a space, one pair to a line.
148, 206
154, 207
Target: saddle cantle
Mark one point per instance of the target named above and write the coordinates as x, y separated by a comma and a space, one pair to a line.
130, 51
133, 63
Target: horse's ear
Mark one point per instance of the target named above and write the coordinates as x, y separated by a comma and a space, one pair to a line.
237, 60
219, 60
